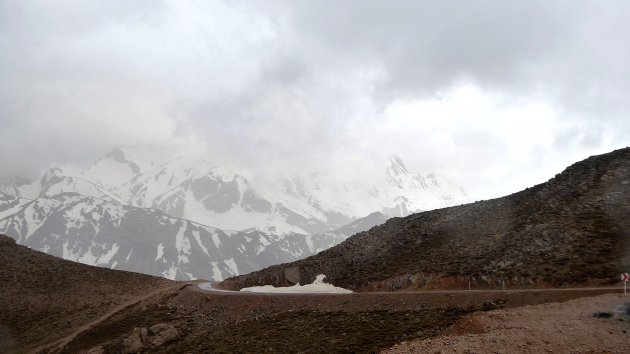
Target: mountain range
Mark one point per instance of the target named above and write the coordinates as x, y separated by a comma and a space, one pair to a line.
572, 230
555, 237
147, 211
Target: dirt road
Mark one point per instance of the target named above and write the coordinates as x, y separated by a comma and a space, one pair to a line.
218, 320
61, 343
211, 287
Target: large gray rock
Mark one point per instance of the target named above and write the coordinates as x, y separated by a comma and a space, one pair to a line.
148, 338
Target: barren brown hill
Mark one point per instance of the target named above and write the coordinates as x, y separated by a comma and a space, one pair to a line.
572, 230
82, 309
44, 299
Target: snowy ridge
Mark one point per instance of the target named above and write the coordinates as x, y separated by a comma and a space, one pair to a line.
123, 164
102, 233
10, 204
54, 182
193, 187
138, 204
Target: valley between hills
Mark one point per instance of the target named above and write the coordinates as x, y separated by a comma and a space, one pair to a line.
557, 248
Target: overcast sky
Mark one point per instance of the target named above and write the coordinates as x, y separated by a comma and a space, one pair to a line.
496, 95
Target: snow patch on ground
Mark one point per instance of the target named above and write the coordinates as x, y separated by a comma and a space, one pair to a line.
107, 257
15, 209
231, 265
170, 273
182, 243
197, 237
318, 286
216, 272
309, 243
215, 239
34, 217
66, 251
160, 252
179, 238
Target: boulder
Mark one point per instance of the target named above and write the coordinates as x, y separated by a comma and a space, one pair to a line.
96, 350
147, 338
133, 343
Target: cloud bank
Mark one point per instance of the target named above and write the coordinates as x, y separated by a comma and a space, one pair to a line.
497, 95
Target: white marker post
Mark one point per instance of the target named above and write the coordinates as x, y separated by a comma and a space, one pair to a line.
624, 279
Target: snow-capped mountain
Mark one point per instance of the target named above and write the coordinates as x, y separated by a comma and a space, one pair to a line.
122, 165
10, 204
54, 182
162, 214
99, 232
196, 188
395, 192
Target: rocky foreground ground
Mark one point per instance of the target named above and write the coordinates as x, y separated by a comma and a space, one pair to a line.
190, 320
48, 305
589, 325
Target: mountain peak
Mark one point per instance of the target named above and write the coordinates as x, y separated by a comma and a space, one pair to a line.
397, 166
120, 156
52, 175
117, 154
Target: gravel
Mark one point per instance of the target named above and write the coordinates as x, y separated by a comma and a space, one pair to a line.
569, 327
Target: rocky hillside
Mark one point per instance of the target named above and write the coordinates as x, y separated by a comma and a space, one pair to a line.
43, 297
573, 229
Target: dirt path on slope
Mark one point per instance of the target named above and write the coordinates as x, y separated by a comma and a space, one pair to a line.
61, 343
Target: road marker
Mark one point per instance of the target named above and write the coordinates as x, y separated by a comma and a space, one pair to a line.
624, 279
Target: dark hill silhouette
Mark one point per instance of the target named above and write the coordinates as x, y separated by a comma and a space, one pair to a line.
43, 298
572, 230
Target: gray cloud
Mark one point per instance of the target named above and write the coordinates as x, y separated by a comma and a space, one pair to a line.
496, 94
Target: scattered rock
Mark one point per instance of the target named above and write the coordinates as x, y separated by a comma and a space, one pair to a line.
96, 350
146, 338
489, 305
133, 343
602, 315
160, 327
